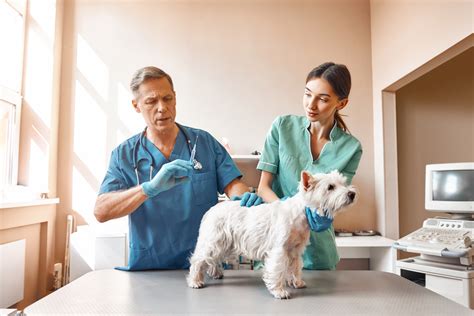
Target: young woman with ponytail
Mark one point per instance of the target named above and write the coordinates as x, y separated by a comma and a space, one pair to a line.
319, 142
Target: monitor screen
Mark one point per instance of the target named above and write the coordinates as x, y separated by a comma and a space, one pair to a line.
453, 185
449, 187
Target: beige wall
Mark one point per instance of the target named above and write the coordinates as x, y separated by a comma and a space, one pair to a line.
408, 33
435, 124
236, 65
405, 34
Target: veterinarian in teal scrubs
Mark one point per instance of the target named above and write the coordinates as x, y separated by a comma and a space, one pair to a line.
153, 179
318, 142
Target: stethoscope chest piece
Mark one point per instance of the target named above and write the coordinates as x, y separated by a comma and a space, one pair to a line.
192, 152
197, 165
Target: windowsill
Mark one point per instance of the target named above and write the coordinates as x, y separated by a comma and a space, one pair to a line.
38, 202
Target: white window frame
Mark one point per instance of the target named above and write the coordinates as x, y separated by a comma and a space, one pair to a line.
14, 99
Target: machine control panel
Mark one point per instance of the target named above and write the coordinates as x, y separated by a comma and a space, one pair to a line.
440, 237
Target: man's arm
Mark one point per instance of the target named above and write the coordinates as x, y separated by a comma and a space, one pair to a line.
118, 204
236, 188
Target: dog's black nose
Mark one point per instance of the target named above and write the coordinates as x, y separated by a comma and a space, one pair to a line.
351, 195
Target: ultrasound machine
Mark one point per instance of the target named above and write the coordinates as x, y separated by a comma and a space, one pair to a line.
445, 244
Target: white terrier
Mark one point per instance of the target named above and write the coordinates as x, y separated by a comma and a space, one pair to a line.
277, 232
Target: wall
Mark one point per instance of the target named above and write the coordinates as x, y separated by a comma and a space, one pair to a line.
406, 34
238, 62
435, 124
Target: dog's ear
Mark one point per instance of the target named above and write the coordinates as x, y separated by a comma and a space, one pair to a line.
307, 180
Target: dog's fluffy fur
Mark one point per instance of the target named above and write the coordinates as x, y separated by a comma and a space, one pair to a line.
277, 232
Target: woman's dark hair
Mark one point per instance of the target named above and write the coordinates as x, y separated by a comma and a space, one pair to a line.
339, 78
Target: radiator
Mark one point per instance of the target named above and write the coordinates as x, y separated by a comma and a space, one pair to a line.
12, 272
92, 250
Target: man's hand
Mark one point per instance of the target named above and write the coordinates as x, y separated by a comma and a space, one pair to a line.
171, 174
316, 222
248, 199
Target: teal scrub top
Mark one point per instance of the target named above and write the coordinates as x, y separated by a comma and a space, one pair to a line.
163, 230
287, 152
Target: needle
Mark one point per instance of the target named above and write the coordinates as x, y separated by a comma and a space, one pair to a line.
193, 151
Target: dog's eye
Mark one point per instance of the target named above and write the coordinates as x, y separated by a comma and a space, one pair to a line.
330, 187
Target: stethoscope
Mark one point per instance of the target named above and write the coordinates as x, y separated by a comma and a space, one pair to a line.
192, 152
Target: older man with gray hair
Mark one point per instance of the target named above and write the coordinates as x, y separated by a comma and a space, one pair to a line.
165, 179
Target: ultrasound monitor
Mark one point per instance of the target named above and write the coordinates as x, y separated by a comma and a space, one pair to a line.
449, 188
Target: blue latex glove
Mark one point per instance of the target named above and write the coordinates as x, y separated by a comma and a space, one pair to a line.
171, 174
248, 199
316, 222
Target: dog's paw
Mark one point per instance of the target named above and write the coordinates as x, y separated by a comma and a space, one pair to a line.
215, 273
298, 284
281, 294
217, 276
195, 284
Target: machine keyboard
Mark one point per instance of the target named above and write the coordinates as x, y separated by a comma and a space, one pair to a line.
438, 238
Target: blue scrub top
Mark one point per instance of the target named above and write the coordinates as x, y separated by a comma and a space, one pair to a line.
163, 231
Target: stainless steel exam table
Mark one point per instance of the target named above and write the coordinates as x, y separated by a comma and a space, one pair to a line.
243, 292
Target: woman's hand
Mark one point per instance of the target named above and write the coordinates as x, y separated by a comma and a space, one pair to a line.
316, 222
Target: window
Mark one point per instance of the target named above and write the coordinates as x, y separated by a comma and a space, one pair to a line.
10, 110
11, 64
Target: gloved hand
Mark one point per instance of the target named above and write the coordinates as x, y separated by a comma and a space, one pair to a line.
248, 199
316, 222
171, 174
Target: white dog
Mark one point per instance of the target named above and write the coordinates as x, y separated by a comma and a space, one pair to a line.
277, 232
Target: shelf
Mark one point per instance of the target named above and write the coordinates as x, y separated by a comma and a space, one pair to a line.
364, 241
245, 157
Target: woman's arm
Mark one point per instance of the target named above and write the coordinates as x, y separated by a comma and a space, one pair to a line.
265, 187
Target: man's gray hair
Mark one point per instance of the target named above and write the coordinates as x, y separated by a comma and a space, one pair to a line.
146, 73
